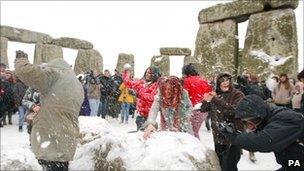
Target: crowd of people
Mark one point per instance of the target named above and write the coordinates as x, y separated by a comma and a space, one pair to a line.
244, 112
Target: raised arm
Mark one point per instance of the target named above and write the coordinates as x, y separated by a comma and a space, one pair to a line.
40, 78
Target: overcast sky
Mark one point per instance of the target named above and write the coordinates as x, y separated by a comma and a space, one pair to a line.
114, 27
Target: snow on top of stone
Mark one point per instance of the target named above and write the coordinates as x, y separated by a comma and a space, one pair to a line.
271, 60
158, 59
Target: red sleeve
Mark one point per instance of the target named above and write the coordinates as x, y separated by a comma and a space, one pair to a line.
135, 85
148, 95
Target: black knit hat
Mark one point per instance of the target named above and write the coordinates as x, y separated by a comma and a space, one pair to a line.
251, 106
189, 70
301, 75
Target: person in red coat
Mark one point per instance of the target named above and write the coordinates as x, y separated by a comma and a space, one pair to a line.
196, 87
145, 89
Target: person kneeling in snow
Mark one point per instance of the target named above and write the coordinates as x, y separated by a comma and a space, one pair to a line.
55, 129
270, 129
174, 105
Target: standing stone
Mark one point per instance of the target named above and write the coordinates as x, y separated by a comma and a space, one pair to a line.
191, 59
174, 51
162, 63
271, 38
124, 58
46, 52
24, 36
239, 10
72, 43
216, 47
88, 60
3, 49
282, 3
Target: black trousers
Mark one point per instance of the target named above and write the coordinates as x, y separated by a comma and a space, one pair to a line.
229, 156
54, 165
139, 122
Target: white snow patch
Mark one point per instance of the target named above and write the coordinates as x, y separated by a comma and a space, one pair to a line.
15, 147
271, 60
216, 43
38, 136
158, 59
197, 106
45, 144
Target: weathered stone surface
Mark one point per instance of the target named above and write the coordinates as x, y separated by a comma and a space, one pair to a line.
271, 37
216, 47
72, 43
23, 35
124, 58
239, 10
88, 60
175, 51
242, 9
162, 63
46, 52
282, 3
197, 64
3, 50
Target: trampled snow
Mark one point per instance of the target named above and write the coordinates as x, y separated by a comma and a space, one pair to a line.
139, 154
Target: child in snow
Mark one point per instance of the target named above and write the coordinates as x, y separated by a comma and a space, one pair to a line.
174, 105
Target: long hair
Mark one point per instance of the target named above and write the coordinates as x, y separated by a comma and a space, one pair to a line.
155, 74
170, 91
286, 83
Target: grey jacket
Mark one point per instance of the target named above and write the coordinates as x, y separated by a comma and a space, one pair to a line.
55, 131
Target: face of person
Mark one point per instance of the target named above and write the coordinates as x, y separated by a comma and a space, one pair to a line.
95, 73
250, 126
167, 90
148, 75
246, 73
106, 73
2, 72
283, 78
8, 76
225, 84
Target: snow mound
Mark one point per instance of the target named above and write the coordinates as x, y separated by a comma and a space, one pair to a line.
106, 149
18, 159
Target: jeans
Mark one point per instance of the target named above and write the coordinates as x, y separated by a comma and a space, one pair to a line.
21, 111
94, 104
125, 107
103, 108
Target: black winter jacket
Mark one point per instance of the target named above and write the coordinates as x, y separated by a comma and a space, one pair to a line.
280, 132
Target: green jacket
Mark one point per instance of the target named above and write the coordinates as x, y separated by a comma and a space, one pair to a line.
55, 129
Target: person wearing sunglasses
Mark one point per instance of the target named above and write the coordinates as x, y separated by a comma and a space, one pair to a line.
270, 128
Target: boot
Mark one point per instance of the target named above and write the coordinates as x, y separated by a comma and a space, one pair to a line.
20, 129
252, 157
10, 119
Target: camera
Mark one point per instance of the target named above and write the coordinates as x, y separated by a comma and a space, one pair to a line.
226, 127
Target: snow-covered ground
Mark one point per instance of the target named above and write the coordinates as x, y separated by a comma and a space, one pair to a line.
15, 146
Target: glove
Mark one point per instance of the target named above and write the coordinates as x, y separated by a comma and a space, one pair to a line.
227, 130
21, 54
